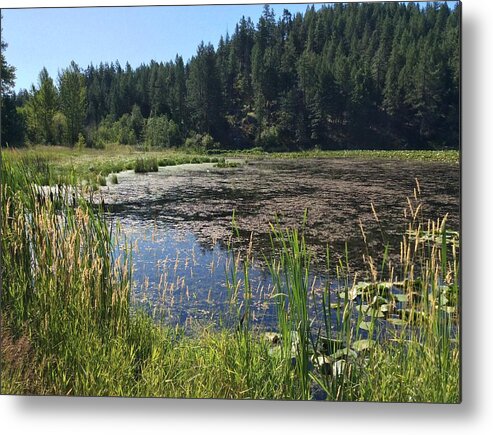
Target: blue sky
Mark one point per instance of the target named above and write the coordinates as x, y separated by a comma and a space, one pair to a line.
53, 37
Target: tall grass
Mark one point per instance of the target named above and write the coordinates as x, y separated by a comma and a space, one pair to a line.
291, 274
392, 338
62, 289
67, 325
146, 165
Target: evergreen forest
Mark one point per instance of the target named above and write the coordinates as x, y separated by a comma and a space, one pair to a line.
345, 76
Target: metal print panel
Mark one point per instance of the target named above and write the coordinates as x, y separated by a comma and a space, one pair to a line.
266, 206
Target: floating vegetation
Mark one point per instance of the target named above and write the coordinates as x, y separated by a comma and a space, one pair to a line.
226, 164
101, 180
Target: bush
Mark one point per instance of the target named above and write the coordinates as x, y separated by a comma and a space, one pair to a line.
160, 131
255, 150
81, 142
167, 162
201, 143
269, 139
111, 131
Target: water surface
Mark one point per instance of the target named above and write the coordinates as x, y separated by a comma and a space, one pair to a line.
180, 222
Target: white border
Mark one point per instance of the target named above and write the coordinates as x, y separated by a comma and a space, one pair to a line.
136, 416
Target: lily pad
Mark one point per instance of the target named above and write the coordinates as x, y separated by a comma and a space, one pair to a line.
351, 294
385, 308
361, 345
273, 338
330, 345
376, 313
449, 310
373, 289
396, 321
346, 352
364, 308
323, 363
399, 297
377, 301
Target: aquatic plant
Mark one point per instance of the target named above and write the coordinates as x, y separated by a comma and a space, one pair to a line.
143, 165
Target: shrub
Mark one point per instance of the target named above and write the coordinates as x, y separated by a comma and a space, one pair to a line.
113, 131
269, 139
201, 143
160, 131
81, 142
167, 162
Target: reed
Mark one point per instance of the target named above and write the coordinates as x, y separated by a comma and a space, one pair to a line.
392, 338
143, 165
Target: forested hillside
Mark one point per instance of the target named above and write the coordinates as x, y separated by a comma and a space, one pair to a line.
346, 76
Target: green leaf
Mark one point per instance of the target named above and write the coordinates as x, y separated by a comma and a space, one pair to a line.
399, 297
344, 352
448, 310
365, 325
396, 322
361, 345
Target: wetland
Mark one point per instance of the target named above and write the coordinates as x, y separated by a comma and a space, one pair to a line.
179, 221
242, 276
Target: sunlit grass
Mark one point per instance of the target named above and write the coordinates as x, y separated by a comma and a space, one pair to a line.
67, 327
62, 165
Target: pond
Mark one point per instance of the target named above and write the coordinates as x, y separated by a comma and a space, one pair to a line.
179, 222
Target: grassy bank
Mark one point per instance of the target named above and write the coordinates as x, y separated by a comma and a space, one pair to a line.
68, 329
63, 165
57, 164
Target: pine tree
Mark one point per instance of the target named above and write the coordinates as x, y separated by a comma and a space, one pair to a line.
47, 97
345, 75
204, 91
73, 100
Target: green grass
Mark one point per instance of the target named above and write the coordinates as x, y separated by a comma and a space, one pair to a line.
52, 165
418, 362
143, 165
67, 326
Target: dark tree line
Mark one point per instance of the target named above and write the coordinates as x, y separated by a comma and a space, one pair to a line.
12, 124
357, 75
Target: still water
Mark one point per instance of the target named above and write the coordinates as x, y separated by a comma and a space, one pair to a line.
179, 224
